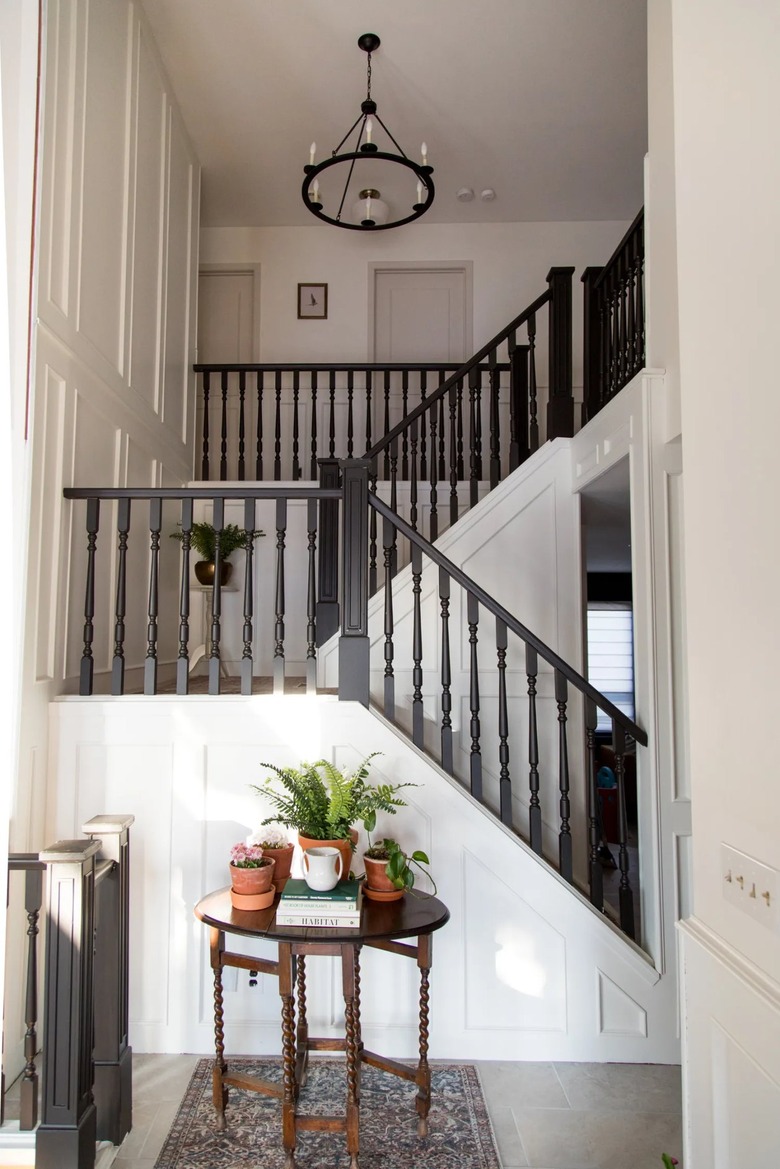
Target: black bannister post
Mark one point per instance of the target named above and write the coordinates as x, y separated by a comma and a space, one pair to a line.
67, 1133
113, 1090
354, 643
591, 341
560, 407
328, 555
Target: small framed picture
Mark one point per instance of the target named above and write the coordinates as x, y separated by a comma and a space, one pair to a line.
312, 302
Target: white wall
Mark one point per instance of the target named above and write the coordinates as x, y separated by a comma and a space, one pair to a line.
511, 262
726, 94
18, 48
112, 393
542, 977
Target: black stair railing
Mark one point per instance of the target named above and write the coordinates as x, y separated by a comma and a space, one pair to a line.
441, 415
314, 562
488, 655
614, 320
300, 414
86, 1085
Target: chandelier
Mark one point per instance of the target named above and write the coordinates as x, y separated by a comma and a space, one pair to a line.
359, 205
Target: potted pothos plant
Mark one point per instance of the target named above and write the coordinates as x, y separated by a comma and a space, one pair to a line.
390, 870
251, 876
203, 541
322, 802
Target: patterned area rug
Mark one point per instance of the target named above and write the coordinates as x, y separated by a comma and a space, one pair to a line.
459, 1131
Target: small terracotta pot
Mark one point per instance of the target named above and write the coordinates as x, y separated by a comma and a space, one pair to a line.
204, 572
252, 881
282, 858
378, 884
345, 847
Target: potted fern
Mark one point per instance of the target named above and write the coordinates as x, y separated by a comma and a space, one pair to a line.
203, 541
322, 802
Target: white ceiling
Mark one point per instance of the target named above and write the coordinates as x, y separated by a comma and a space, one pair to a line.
542, 100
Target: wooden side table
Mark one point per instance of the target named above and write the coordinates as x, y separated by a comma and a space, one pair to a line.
383, 925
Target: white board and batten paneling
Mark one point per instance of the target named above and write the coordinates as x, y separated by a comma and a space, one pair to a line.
524, 969
113, 399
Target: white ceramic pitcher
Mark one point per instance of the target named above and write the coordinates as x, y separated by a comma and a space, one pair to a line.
322, 867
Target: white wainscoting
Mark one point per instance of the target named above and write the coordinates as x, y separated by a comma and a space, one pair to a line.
731, 1075
524, 970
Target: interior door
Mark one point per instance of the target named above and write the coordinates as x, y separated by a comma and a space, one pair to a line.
421, 314
226, 335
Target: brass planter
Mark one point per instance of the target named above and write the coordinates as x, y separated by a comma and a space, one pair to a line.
204, 572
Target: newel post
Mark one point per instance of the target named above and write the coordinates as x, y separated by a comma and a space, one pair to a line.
113, 1090
591, 341
68, 1128
354, 642
327, 618
560, 407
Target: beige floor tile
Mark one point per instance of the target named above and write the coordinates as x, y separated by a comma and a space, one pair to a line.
161, 1077
572, 1139
510, 1147
612, 1086
521, 1085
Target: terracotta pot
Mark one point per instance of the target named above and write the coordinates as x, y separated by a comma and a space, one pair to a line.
345, 847
377, 881
252, 881
282, 858
204, 572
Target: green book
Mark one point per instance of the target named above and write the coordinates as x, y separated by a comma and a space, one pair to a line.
297, 893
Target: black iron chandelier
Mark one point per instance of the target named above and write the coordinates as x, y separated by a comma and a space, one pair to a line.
360, 206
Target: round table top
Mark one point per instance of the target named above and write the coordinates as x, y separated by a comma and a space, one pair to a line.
413, 915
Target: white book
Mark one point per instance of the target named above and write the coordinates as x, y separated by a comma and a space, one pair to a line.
320, 921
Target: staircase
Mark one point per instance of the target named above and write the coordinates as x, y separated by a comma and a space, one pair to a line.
423, 604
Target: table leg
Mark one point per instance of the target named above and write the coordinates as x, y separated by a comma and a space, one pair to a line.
303, 1025
352, 1029
218, 1090
423, 1077
358, 1028
288, 1053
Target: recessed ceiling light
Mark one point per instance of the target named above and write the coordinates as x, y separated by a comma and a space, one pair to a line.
465, 194
488, 195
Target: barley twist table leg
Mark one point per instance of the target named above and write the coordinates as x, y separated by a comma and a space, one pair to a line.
288, 1054
303, 1026
423, 1077
218, 1090
348, 964
358, 1028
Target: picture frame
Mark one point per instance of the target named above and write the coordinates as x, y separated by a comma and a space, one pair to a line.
312, 302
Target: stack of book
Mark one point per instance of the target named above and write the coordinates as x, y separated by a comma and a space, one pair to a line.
338, 908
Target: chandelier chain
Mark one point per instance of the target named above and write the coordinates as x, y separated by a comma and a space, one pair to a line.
368, 78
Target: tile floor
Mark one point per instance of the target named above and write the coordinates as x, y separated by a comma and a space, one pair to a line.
545, 1115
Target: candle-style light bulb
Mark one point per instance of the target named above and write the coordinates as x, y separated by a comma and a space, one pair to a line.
314, 193
369, 129
368, 207
312, 150
424, 152
419, 192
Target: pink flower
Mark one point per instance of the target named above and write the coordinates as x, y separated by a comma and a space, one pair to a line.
246, 856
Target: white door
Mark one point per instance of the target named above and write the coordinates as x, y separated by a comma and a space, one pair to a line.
422, 314
227, 335
226, 317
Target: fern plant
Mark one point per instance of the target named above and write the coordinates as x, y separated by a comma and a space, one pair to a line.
323, 801
203, 539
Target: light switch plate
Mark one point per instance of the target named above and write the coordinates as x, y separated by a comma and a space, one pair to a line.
751, 886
